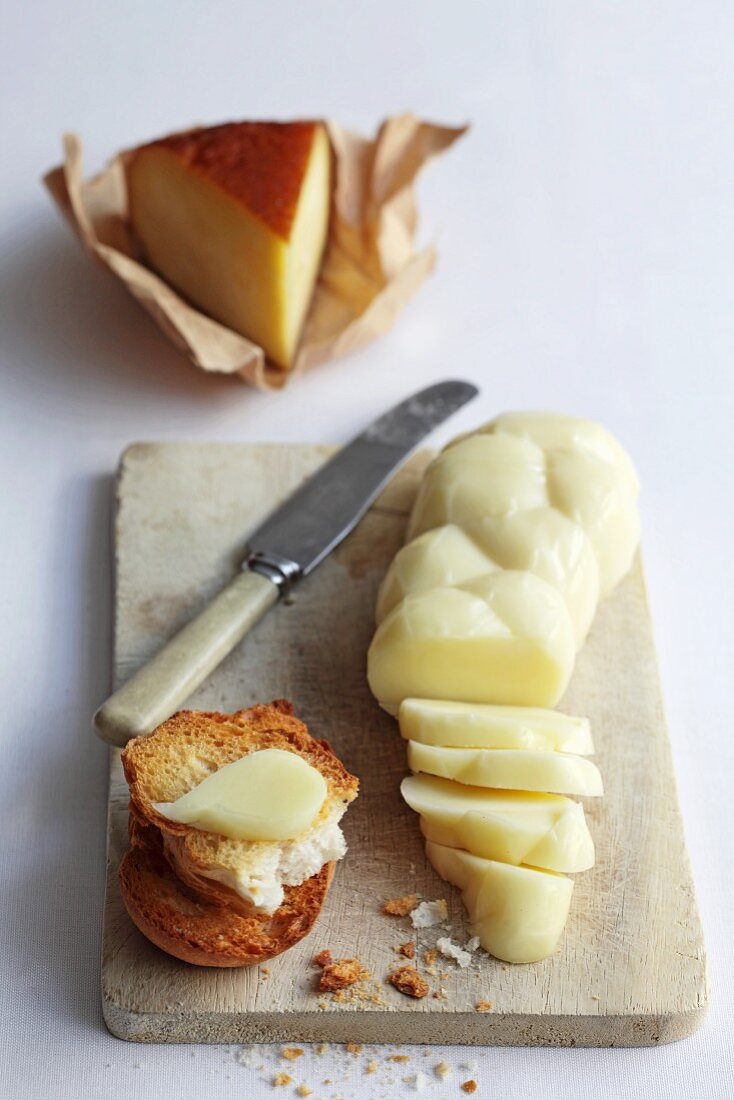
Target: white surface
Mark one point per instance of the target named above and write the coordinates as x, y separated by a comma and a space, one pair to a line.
586, 237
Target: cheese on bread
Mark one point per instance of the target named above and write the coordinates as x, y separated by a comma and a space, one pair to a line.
261, 883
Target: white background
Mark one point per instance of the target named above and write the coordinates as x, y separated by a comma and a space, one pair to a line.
586, 235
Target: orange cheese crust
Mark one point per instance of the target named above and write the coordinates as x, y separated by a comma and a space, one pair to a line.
260, 164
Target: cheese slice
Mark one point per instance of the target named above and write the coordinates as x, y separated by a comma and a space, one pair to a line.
270, 794
509, 769
503, 638
542, 830
477, 726
235, 217
519, 913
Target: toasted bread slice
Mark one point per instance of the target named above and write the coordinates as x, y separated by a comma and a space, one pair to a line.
175, 919
182, 885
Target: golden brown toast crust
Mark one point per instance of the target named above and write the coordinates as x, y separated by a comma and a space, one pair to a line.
175, 919
260, 164
184, 913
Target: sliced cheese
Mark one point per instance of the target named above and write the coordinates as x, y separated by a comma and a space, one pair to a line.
509, 769
542, 830
477, 726
235, 217
506, 637
270, 794
519, 913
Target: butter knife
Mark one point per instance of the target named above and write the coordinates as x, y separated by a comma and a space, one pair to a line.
288, 546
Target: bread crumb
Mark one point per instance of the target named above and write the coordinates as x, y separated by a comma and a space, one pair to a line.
452, 950
321, 1048
339, 974
323, 1005
442, 1070
371, 1067
469, 1086
282, 1079
429, 913
264, 971
399, 1058
483, 1006
247, 1057
595, 996
354, 1048
326, 1081
303, 1090
407, 980
400, 907
417, 1080
323, 958
291, 1053
407, 950
430, 956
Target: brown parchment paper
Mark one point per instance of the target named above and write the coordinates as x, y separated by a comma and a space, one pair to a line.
370, 267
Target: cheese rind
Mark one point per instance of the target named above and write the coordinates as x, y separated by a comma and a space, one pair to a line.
541, 830
270, 794
484, 726
235, 217
519, 913
506, 637
509, 769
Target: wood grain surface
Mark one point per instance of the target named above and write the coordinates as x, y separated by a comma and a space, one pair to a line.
631, 966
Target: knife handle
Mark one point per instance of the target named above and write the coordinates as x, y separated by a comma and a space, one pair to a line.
154, 693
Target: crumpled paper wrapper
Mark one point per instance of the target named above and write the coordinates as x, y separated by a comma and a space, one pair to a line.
370, 267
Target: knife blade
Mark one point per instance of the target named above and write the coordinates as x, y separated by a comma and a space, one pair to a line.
288, 546
315, 519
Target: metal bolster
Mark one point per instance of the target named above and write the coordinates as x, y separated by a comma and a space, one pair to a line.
281, 571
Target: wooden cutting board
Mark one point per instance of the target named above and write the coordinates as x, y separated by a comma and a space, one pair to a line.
631, 967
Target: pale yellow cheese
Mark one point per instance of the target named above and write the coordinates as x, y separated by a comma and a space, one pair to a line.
542, 830
593, 494
267, 795
473, 725
561, 432
509, 769
439, 558
540, 540
518, 913
505, 637
482, 475
493, 473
